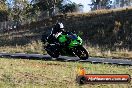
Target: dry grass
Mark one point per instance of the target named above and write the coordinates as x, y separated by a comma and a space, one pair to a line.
20, 73
98, 12
33, 47
118, 53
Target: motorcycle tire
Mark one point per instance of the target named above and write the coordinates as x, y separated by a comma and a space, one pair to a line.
81, 52
52, 51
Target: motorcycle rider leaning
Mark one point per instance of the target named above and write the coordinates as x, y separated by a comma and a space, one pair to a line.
60, 42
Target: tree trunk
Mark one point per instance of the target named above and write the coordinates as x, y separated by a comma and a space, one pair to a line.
122, 3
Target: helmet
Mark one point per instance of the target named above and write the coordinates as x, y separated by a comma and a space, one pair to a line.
59, 27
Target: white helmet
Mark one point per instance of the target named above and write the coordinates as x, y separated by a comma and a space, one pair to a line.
59, 27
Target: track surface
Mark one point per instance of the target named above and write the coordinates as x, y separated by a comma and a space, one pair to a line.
66, 58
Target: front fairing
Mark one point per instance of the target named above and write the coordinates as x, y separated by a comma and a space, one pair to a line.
62, 38
75, 42
74, 39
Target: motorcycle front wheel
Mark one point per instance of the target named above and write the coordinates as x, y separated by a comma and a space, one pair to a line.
81, 52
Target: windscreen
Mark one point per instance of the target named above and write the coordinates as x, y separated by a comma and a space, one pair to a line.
72, 36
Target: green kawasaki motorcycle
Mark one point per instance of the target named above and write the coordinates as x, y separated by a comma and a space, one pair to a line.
69, 44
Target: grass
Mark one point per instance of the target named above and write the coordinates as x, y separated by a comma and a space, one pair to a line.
24, 73
98, 12
105, 52
33, 47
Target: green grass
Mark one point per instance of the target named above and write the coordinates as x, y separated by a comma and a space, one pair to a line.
24, 73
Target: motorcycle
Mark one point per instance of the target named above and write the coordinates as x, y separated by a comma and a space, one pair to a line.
69, 44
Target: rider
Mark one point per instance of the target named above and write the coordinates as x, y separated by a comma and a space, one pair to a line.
56, 30
58, 27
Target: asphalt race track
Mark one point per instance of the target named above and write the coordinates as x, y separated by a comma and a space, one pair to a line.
66, 58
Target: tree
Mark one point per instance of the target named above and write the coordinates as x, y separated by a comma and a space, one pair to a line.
3, 5
128, 2
3, 11
17, 11
51, 6
122, 3
70, 7
47, 5
100, 4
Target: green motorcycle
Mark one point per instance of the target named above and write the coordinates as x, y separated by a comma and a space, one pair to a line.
69, 44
